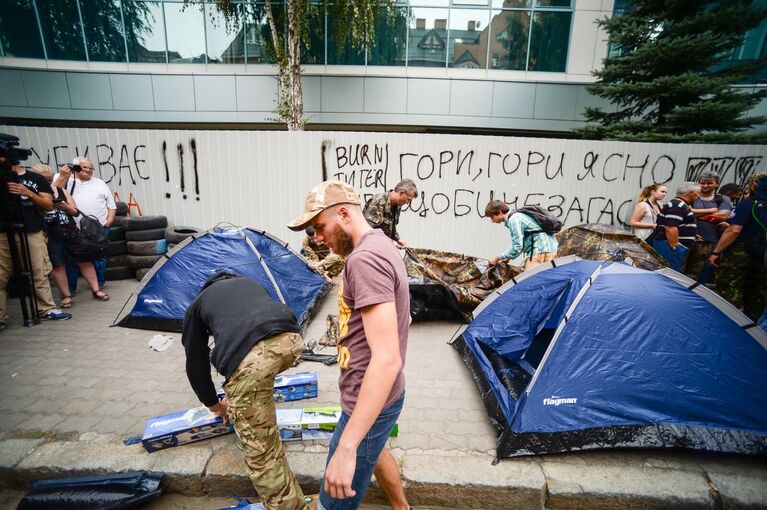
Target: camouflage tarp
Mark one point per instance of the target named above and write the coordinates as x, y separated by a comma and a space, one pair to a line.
446, 285
595, 241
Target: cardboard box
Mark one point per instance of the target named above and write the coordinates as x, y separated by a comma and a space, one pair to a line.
319, 422
298, 386
307, 424
182, 427
289, 424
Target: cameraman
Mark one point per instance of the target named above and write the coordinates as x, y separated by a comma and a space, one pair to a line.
94, 198
34, 197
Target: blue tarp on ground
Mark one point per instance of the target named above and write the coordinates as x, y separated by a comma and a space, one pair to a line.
175, 281
587, 355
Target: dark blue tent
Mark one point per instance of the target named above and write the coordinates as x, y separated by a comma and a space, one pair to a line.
577, 355
166, 291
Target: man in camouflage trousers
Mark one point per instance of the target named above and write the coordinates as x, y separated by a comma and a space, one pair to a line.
740, 253
320, 257
382, 210
255, 339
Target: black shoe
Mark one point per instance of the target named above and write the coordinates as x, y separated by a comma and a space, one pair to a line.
3, 325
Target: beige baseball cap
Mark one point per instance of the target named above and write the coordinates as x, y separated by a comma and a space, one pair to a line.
322, 196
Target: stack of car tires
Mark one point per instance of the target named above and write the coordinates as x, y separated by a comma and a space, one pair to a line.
145, 242
177, 235
117, 251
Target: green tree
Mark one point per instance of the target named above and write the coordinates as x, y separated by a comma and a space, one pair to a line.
664, 82
353, 19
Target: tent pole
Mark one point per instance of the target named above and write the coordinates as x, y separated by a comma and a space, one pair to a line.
263, 264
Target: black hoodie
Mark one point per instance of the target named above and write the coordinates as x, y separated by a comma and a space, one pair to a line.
238, 312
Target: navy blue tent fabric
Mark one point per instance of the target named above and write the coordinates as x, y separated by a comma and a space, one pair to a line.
162, 301
639, 361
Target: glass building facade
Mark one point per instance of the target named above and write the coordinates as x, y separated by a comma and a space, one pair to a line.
519, 35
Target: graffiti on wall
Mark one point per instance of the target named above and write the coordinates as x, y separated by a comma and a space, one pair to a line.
460, 182
126, 165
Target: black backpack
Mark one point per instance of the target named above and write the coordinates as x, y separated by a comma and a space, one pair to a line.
549, 223
90, 241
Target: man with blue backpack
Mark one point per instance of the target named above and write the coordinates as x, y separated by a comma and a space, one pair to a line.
740, 253
531, 229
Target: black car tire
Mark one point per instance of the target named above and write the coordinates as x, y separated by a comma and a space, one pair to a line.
118, 273
175, 235
117, 260
142, 261
145, 235
116, 233
117, 248
145, 223
157, 247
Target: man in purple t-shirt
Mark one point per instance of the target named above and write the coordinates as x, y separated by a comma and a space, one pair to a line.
374, 317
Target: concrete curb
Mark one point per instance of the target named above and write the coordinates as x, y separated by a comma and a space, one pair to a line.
450, 479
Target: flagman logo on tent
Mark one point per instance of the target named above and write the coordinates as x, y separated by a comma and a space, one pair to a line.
146, 300
555, 401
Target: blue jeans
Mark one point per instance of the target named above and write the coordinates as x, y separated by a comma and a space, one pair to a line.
100, 264
367, 456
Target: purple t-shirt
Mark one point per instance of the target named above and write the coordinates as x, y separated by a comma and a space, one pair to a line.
374, 273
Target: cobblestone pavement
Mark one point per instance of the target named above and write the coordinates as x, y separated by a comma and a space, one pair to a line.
72, 390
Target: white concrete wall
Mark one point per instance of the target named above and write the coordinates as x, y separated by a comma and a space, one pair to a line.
260, 179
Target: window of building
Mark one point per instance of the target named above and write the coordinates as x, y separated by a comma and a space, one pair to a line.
19, 33
390, 45
314, 52
224, 41
512, 4
549, 39
509, 32
427, 37
553, 3
144, 31
104, 33
258, 34
467, 46
61, 28
519, 34
185, 26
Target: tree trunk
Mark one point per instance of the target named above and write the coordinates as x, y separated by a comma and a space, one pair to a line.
296, 116
290, 100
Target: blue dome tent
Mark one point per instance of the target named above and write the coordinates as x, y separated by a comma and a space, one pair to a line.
166, 291
579, 355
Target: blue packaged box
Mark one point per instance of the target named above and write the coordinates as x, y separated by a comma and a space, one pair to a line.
182, 427
298, 386
289, 424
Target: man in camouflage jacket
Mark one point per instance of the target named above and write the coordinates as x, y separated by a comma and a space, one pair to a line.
320, 257
382, 210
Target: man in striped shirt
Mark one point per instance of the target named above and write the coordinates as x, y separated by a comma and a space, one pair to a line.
679, 226
527, 237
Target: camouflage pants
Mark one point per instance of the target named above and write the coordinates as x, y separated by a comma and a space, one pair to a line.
742, 280
538, 259
697, 258
252, 411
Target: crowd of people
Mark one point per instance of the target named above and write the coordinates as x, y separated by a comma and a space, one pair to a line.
715, 236
51, 207
699, 224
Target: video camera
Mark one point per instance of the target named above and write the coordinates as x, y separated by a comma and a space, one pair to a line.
12, 222
10, 153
